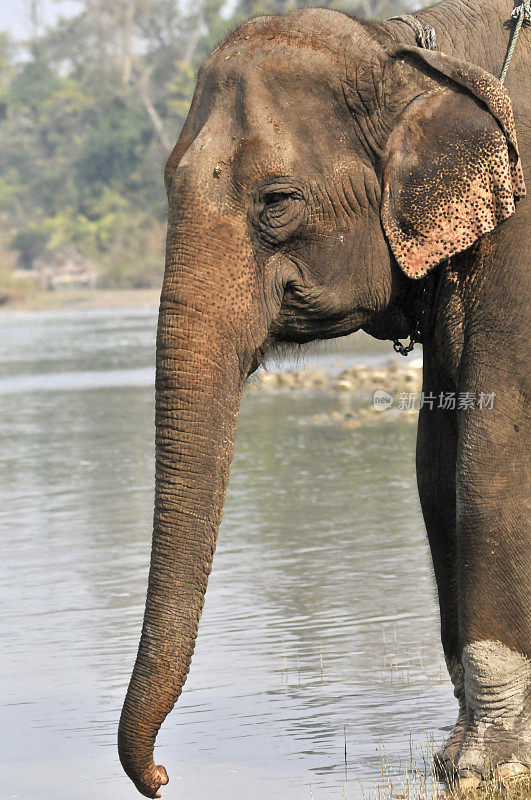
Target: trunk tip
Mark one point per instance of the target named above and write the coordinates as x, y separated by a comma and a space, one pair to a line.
151, 783
135, 749
147, 776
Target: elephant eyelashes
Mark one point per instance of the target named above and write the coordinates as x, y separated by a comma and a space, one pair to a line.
280, 214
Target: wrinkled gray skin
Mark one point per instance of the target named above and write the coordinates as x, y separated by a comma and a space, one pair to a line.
275, 234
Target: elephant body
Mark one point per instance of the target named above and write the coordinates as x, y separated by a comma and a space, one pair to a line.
332, 176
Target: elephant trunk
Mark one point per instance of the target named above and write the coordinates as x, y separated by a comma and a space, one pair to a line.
198, 390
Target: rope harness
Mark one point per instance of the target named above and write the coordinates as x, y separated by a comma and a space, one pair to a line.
426, 38
522, 15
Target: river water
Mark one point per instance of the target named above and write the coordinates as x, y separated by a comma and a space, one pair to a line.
317, 673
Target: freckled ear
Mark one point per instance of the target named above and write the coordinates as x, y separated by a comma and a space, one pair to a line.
453, 169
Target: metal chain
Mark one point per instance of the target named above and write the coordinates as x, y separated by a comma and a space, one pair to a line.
406, 349
420, 315
522, 15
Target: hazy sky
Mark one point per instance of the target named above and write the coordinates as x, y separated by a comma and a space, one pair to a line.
14, 15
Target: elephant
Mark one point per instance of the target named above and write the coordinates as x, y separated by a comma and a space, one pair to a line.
333, 176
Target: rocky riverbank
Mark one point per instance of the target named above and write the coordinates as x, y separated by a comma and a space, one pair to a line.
364, 394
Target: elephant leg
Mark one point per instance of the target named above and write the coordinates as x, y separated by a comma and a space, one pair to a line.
494, 587
436, 458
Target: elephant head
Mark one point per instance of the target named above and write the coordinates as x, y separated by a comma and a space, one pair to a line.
320, 168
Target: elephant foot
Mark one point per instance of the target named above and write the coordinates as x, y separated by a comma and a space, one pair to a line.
444, 758
465, 780
497, 740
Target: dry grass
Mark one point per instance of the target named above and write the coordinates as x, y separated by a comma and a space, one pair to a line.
496, 790
413, 786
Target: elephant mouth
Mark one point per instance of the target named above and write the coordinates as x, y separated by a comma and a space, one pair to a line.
308, 315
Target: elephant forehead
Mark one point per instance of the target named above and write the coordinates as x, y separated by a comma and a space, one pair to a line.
266, 140
316, 45
270, 120
284, 61
259, 96
224, 146
301, 32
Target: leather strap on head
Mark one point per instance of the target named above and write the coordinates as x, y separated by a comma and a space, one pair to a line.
424, 34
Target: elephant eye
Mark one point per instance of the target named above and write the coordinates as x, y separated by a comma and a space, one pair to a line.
273, 198
279, 213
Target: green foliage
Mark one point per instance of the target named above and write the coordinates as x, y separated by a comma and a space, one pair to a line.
89, 111
91, 233
146, 240
180, 90
30, 241
110, 152
32, 86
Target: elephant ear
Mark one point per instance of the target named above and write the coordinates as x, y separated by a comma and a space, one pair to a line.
453, 168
